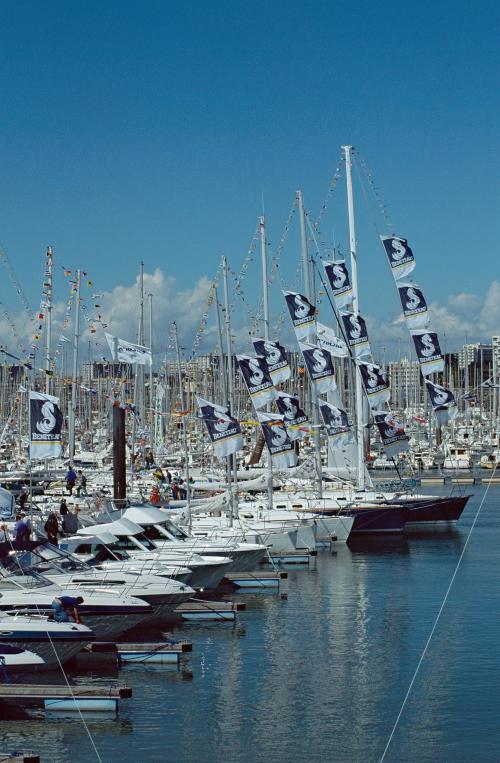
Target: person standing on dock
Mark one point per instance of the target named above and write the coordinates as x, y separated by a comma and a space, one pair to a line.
81, 484
63, 606
70, 479
51, 527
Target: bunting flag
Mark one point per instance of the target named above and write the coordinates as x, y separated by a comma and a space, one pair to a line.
257, 380
356, 333
490, 384
428, 352
126, 352
223, 430
375, 384
302, 313
443, 402
275, 357
400, 256
45, 426
279, 444
393, 436
414, 305
293, 415
336, 423
328, 340
319, 367
340, 284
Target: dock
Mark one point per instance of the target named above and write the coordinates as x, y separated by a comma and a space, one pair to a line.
198, 609
158, 653
19, 757
255, 580
63, 698
291, 557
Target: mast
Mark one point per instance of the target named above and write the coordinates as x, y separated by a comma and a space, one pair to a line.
230, 373
151, 396
311, 297
48, 336
184, 431
265, 292
74, 380
355, 306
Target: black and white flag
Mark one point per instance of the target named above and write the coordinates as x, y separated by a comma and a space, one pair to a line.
340, 283
257, 379
414, 305
399, 254
375, 383
328, 340
293, 415
279, 444
275, 357
428, 352
223, 430
356, 333
393, 436
443, 402
336, 423
319, 367
302, 313
46, 422
126, 352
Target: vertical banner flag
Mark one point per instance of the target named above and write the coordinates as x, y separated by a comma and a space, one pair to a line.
126, 352
279, 444
223, 430
257, 379
338, 277
375, 384
302, 314
443, 402
336, 422
293, 415
328, 340
428, 352
356, 333
393, 436
45, 426
399, 254
275, 357
319, 367
414, 305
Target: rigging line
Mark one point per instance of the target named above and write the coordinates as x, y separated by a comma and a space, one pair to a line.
8, 265
441, 608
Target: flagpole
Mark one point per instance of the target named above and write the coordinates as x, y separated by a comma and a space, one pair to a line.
76, 335
311, 297
265, 292
229, 349
151, 405
184, 430
355, 308
48, 336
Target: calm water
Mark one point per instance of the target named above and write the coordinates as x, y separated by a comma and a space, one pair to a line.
321, 676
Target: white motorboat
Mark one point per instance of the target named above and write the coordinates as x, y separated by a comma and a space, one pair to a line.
54, 642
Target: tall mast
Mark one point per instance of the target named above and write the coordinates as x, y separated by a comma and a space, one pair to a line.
229, 350
355, 306
48, 303
265, 292
311, 297
74, 380
184, 430
151, 396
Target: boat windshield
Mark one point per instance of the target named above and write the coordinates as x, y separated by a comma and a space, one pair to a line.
28, 579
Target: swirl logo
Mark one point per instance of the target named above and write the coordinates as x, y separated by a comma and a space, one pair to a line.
412, 299
398, 249
428, 348
339, 276
48, 423
355, 329
290, 408
301, 309
372, 378
256, 373
223, 422
319, 361
440, 396
279, 436
273, 354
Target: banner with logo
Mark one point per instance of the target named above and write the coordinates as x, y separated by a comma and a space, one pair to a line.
293, 415
302, 313
443, 402
375, 383
428, 352
46, 422
279, 444
340, 283
319, 367
275, 357
223, 430
356, 333
336, 423
399, 254
413, 304
126, 352
392, 434
328, 340
257, 379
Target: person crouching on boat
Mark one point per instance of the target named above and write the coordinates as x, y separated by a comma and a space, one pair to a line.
155, 497
64, 606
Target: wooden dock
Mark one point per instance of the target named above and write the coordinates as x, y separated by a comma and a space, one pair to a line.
253, 580
61, 698
158, 653
291, 557
201, 609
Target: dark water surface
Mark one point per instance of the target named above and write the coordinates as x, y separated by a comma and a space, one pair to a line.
321, 676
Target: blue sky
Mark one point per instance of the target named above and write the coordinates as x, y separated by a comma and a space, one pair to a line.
153, 130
